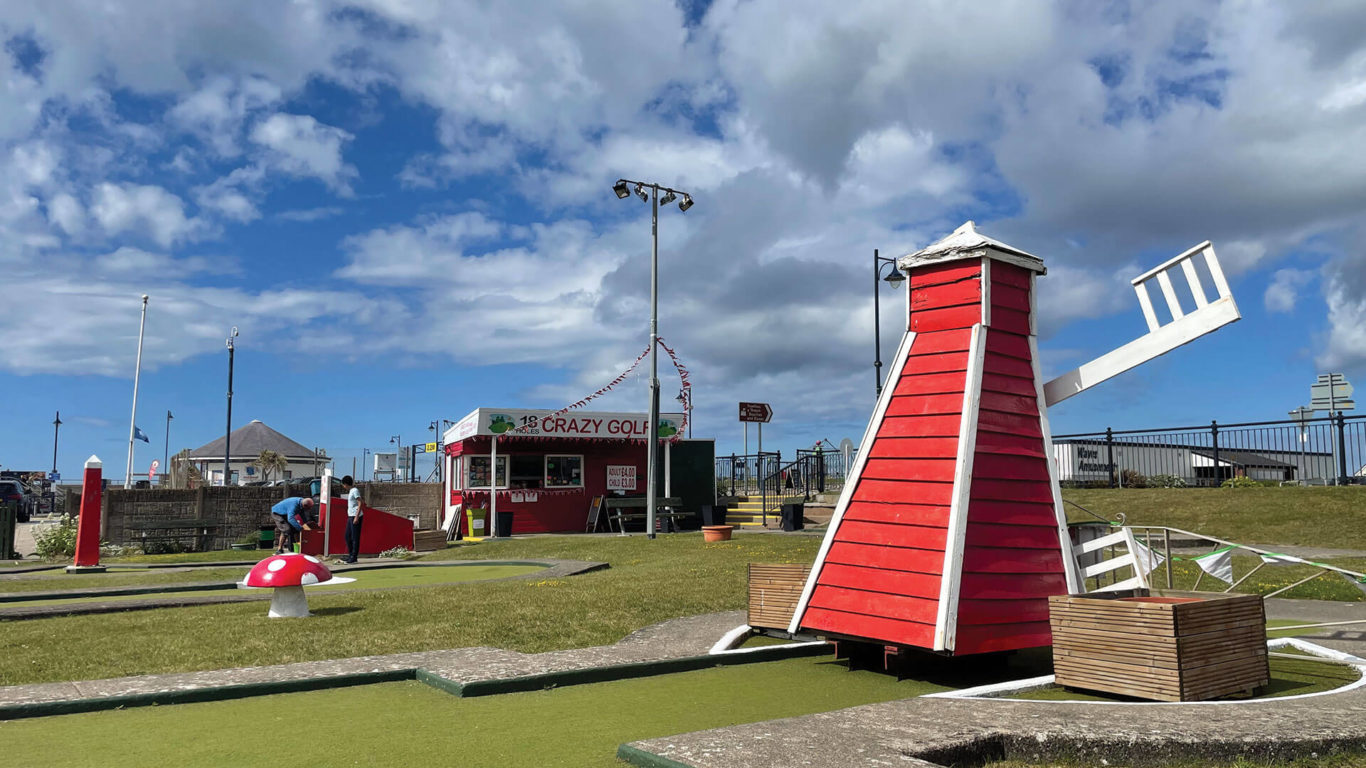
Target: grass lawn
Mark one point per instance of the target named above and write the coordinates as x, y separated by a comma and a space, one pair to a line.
412, 724
649, 581
1311, 517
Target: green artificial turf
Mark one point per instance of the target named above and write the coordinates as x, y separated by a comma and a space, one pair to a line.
376, 578
412, 724
649, 581
44, 582
1345, 759
1289, 677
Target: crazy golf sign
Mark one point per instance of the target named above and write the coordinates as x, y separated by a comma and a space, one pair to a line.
577, 424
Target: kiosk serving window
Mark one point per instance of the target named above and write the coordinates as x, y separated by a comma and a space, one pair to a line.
477, 472
563, 471
526, 471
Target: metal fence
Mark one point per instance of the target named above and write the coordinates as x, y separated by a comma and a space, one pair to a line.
1324, 451
766, 475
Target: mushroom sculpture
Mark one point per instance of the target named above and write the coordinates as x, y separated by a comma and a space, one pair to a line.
288, 574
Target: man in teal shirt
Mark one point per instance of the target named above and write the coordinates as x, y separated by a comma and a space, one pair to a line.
291, 516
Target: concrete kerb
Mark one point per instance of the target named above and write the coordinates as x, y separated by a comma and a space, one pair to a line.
181, 689
554, 569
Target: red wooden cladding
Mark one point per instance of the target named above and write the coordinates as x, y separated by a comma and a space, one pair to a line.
948, 317
920, 426
932, 470
941, 341
986, 639
919, 405
1011, 490
1010, 320
903, 514
1008, 297
1002, 443
890, 558
1011, 423
942, 363
1014, 536
912, 383
1010, 344
1001, 611
1009, 274
892, 534
886, 630
994, 511
911, 492
1011, 385
1006, 467
946, 295
947, 272
1011, 561
996, 586
921, 585
1008, 366
901, 607
914, 447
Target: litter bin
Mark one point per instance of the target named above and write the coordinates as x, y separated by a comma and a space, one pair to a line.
792, 516
714, 514
475, 517
266, 540
504, 528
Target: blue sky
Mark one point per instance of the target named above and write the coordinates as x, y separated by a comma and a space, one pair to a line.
406, 207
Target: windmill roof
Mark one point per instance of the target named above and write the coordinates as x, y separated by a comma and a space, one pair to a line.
250, 440
967, 243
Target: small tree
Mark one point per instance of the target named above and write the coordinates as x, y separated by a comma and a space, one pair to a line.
268, 462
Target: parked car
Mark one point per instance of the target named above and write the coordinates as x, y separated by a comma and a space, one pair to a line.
13, 491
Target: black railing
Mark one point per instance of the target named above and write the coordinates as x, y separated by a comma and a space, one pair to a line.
1323, 451
766, 475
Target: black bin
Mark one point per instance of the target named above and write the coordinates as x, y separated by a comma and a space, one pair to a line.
792, 516
504, 523
714, 514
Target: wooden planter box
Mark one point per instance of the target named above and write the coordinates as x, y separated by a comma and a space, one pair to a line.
1167, 646
774, 590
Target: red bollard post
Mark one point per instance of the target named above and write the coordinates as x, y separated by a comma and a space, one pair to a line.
88, 526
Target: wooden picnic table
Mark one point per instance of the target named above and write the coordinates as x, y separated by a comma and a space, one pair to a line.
616, 507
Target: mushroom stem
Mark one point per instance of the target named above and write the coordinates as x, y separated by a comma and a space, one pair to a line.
289, 602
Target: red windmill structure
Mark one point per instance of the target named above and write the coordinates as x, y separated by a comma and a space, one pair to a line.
950, 535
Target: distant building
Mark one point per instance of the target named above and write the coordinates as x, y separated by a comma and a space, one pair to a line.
247, 444
1088, 461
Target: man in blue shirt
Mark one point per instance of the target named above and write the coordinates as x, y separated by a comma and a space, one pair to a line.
291, 515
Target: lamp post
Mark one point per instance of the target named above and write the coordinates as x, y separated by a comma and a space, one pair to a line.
227, 439
364, 462
132, 422
622, 190
895, 278
56, 425
398, 453
166, 449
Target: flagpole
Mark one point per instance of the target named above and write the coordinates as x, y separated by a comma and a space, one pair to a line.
132, 421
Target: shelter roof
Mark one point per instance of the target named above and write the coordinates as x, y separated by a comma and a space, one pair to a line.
250, 440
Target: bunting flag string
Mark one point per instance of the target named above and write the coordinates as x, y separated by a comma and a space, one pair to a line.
683, 377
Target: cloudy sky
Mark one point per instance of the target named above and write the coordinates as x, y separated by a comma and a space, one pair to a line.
406, 206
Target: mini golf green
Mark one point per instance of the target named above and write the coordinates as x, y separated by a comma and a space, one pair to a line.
412, 724
387, 577
1289, 677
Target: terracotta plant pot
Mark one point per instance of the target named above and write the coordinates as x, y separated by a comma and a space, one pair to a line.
712, 533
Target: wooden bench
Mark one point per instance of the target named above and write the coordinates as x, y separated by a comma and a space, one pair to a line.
202, 532
616, 510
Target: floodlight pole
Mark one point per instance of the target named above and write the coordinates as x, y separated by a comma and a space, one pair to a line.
132, 421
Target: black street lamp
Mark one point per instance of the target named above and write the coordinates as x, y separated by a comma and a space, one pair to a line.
227, 440
622, 188
895, 278
56, 425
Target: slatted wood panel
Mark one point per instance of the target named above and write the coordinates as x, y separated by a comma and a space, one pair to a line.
881, 576
1212, 646
774, 590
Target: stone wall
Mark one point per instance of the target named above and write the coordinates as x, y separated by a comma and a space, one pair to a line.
222, 516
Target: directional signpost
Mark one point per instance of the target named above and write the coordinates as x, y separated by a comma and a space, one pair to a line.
760, 413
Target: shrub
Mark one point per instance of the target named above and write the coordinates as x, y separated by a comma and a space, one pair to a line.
1132, 478
58, 541
1166, 481
1240, 482
397, 553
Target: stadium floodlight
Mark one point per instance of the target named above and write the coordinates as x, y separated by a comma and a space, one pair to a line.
622, 189
685, 203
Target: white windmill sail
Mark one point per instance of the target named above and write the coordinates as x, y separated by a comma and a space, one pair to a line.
1183, 328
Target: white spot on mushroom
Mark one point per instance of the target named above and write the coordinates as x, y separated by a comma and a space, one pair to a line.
310, 558
276, 565
309, 578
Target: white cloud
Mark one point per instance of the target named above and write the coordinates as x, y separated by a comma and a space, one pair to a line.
304, 147
1284, 290
144, 209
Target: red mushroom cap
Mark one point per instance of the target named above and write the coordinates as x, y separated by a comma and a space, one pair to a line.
288, 570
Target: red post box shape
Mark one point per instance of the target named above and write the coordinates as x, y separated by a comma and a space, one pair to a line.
88, 526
